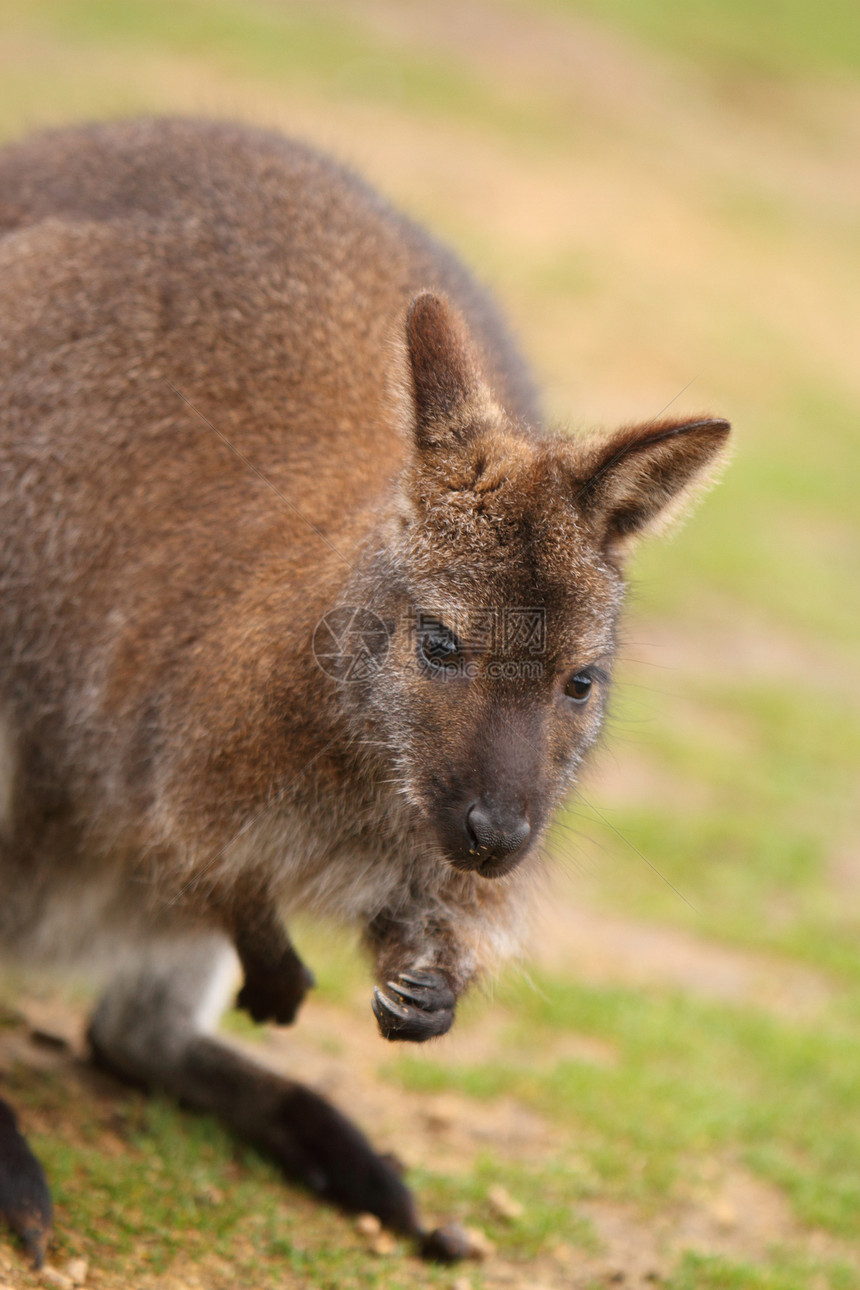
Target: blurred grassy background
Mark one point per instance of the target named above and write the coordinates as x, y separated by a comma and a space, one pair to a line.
666, 200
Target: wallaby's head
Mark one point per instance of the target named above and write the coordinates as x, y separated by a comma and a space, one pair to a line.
500, 583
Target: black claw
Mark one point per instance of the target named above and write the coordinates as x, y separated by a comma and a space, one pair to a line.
421, 978
383, 1006
418, 1013
404, 992
432, 995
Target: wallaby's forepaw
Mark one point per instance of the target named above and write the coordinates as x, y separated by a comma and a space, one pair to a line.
276, 996
25, 1202
415, 1006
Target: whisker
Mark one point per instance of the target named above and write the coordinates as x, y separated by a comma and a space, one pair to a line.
639, 853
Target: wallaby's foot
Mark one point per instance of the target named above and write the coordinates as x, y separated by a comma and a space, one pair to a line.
415, 1006
316, 1145
147, 1030
25, 1202
313, 1143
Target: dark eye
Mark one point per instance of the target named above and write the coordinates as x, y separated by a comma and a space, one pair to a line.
441, 649
578, 687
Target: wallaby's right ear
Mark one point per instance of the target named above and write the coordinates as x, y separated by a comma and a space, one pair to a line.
640, 478
449, 395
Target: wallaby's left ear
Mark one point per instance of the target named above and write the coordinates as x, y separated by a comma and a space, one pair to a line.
450, 395
641, 478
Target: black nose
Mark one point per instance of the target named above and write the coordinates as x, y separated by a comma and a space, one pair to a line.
495, 837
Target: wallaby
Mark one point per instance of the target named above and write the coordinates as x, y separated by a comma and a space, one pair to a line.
301, 608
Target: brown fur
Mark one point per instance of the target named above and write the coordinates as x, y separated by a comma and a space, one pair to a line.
226, 409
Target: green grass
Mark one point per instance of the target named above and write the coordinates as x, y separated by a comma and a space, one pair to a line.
703, 1273
692, 1081
749, 861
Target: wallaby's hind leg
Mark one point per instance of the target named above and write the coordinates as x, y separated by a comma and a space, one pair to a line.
25, 1202
153, 1026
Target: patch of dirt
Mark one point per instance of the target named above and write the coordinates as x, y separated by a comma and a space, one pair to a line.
622, 776
731, 1213
845, 864
602, 948
442, 1131
736, 639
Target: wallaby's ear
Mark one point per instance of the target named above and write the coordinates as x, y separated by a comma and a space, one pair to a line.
449, 393
641, 478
